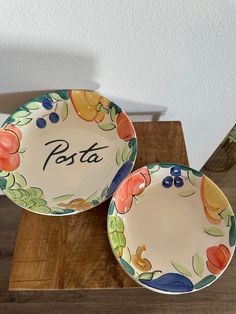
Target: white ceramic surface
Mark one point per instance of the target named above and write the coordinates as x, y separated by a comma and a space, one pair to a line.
171, 228
65, 152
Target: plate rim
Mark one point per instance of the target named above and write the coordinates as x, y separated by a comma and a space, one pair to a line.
134, 278
34, 99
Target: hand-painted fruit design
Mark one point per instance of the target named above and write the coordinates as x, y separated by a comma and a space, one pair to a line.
170, 282
133, 186
214, 202
174, 178
119, 177
86, 104
116, 234
78, 204
139, 261
218, 257
125, 129
10, 138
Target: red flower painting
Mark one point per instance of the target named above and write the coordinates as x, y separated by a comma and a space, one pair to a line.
218, 257
10, 138
133, 186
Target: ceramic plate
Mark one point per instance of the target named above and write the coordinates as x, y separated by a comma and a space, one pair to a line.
65, 152
171, 228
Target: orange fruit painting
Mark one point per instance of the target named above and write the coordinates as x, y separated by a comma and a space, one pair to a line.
86, 104
10, 138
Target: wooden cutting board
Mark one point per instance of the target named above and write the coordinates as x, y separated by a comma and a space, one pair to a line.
73, 252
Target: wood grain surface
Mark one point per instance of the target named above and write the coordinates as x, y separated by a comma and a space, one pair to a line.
219, 298
73, 252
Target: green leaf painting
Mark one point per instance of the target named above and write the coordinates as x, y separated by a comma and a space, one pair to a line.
64, 111
24, 193
117, 239
104, 109
122, 155
115, 223
204, 282
30, 203
98, 107
64, 94
119, 160
104, 192
31, 198
23, 121
41, 209
181, 269
3, 183
95, 202
119, 224
97, 197
127, 266
92, 197
226, 214
16, 186
126, 153
22, 150
166, 165
32, 105
214, 231
10, 180
62, 198
13, 194
58, 210
146, 276
107, 126
185, 168
35, 192
198, 264
150, 275
56, 97
20, 179
39, 202
126, 254
197, 173
4, 173
187, 193
21, 203
113, 105
9, 120
133, 146
113, 114
20, 114
111, 208
150, 167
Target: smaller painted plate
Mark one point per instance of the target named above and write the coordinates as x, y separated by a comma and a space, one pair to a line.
171, 228
65, 152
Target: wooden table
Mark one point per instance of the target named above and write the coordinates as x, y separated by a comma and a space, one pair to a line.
73, 252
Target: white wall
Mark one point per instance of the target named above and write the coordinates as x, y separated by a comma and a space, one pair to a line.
178, 56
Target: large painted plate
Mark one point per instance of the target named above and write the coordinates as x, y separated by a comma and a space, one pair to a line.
171, 228
65, 152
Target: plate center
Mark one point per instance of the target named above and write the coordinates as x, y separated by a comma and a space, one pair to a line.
64, 157
170, 226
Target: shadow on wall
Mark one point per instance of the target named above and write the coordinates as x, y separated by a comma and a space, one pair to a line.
27, 73
140, 111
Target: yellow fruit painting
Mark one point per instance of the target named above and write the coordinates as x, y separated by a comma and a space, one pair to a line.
85, 104
213, 199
